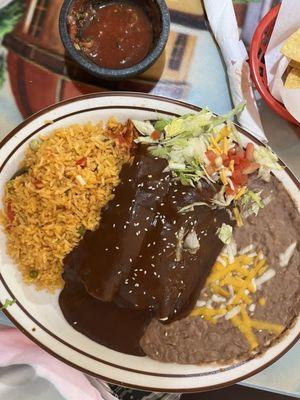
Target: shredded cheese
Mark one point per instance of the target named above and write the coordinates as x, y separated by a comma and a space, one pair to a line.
240, 193
223, 177
223, 133
225, 145
238, 217
232, 282
231, 165
266, 326
262, 301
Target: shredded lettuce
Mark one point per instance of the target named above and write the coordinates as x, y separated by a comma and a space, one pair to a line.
227, 117
185, 141
144, 127
225, 233
191, 207
190, 123
7, 304
268, 161
254, 200
160, 124
219, 199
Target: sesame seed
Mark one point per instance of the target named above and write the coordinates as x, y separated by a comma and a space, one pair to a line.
106, 249
118, 248
119, 272
118, 205
114, 225
152, 265
130, 259
137, 233
150, 176
137, 285
130, 291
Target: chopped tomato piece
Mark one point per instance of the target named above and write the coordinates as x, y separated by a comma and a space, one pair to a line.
252, 167
232, 152
155, 135
238, 178
38, 184
209, 169
243, 164
226, 160
211, 155
250, 151
241, 154
229, 191
10, 213
82, 162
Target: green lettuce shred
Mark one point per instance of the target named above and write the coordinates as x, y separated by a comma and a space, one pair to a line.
225, 233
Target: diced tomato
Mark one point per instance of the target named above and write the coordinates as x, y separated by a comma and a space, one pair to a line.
210, 155
10, 213
237, 154
244, 163
210, 169
82, 162
252, 167
38, 184
226, 160
155, 135
240, 153
232, 152
238, 178
229, 191
249, 151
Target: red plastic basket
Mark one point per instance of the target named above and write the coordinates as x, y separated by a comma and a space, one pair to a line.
258, 49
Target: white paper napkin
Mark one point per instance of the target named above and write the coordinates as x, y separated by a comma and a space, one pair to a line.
223, 23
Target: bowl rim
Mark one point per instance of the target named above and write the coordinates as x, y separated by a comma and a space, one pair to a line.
73, 364
110, 73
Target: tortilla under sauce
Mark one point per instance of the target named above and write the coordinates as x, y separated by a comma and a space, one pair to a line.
129, 271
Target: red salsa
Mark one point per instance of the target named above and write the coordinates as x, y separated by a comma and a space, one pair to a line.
113, 35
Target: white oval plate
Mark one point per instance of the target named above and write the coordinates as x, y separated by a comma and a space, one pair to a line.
38, 315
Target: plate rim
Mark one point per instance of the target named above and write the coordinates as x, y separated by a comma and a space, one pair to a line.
23, 124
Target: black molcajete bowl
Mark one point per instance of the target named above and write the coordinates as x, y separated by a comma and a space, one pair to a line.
158, 13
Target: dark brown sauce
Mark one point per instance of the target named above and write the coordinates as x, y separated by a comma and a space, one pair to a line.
112, 34
126, 272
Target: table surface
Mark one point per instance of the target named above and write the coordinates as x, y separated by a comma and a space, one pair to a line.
35, 73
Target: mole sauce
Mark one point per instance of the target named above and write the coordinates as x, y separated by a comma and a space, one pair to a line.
112, 34
129, 270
